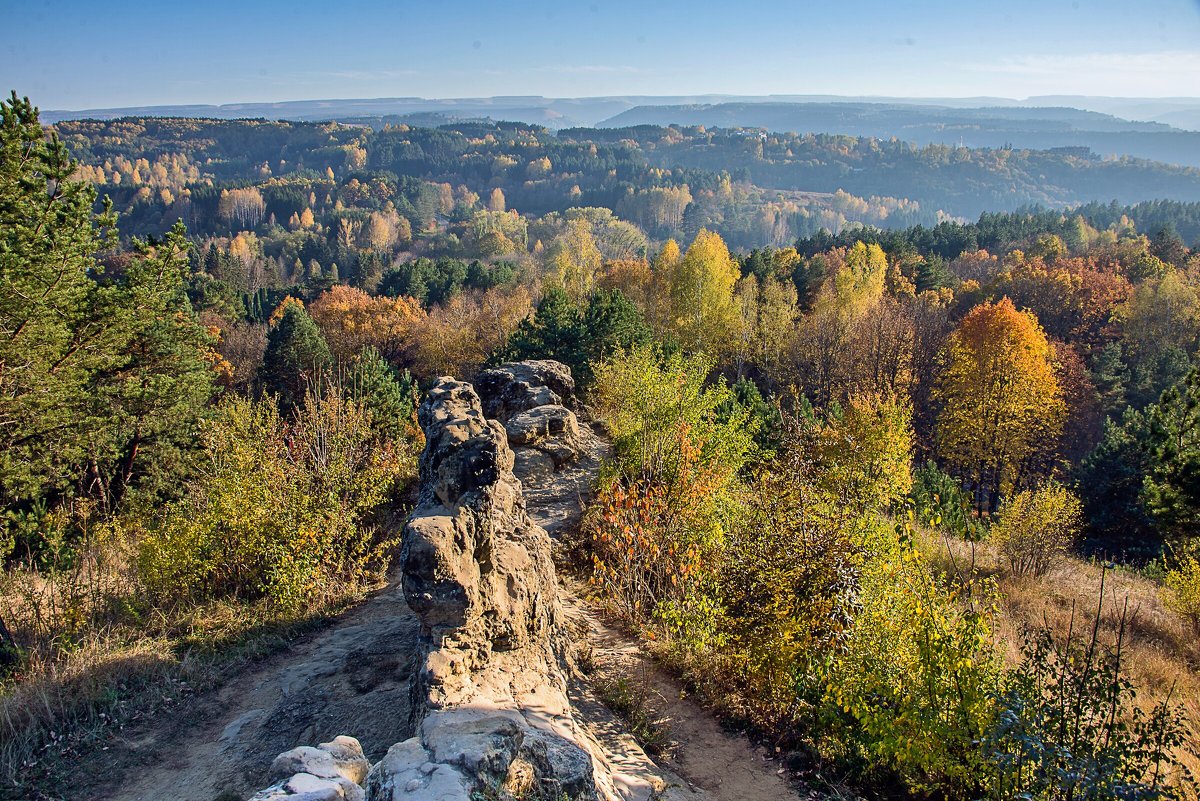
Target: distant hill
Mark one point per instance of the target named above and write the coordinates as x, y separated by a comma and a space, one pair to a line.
1037, 128
1161, 129
737, 181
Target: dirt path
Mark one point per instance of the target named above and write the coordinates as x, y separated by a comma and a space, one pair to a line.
350, 677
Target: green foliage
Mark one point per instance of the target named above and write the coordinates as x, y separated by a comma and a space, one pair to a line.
1142, 477
659, 527
296, 356
554, 331
436, 281
105, 372
48, 234
1113, 475
915, 680
390, 397
1070, 726
764, 415
646, 400
578, 337
154, 394
1172, 490
941, 502
281, 508
1036, 528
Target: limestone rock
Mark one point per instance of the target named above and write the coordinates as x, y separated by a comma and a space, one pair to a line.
333, 771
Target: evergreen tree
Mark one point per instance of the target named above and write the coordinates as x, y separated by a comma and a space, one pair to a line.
554, 331
389, 396
611, 323
50, 343
579, 338
296, 355
1110, 480
1172, 489
151, 396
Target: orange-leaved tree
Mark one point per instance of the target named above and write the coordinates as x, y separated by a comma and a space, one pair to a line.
353, 320
1001, 404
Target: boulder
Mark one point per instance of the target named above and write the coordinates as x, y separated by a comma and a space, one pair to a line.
332, 771
553, 430
515, 387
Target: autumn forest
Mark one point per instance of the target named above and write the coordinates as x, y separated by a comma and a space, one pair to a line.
896, 431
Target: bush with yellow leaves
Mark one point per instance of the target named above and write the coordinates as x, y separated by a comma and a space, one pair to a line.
282, 508
1183, 587
1037, 527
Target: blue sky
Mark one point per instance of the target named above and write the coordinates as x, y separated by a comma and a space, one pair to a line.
73, 54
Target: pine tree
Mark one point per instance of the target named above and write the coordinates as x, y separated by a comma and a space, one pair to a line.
295, 357
152, 395
391, 397
48, 339
1172, 489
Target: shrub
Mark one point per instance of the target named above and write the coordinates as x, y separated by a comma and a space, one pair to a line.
645, 399
1070, 726
912, 689
658, 529
281, 510
1037, 527
1183, 588
790, 587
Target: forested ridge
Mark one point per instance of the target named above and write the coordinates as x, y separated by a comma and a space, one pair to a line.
853, 433
753, 186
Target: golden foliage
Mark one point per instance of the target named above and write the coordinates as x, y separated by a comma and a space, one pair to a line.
1037, 527
1001, 401
352, 320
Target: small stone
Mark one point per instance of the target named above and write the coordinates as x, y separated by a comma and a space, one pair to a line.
305, 784
412, 786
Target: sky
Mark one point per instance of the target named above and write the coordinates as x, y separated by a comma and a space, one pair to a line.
73, 54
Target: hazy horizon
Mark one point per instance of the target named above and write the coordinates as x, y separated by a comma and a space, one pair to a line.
220, 53
715, 96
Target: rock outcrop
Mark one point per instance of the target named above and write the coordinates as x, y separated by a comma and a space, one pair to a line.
532, 400
479, 574
493, 715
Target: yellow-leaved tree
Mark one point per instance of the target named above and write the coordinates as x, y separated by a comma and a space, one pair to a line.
829, 338
703, 315
574, 261
1002, 406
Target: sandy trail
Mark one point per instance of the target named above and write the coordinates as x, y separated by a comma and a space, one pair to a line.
352, 676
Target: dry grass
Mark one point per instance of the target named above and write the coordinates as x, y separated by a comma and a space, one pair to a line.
1161, 650
97, 658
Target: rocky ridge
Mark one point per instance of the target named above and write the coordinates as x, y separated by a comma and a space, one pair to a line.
492, 713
